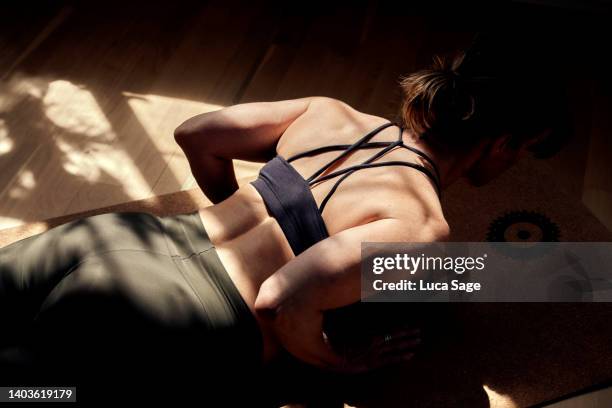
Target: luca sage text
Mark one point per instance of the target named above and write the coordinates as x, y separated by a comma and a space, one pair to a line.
421, 285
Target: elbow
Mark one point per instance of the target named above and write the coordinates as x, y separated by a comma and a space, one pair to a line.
182, 133
265, 302
194, 130
268, 299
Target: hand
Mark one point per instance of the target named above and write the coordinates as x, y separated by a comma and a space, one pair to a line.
299, 329
384, 350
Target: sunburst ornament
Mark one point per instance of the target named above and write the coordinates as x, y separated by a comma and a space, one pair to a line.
523, 226
526, 230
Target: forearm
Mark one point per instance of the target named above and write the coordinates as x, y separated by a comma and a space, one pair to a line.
246, 131
328, 274
322, 282
215, 176
210, 133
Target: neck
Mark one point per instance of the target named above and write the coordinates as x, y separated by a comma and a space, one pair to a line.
452, 165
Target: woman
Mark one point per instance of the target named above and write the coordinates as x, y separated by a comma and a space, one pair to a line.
229, 288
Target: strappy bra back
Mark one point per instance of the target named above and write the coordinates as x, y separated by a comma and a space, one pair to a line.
288, 197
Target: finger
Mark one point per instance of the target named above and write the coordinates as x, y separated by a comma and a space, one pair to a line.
408, 352
376, 359
309, 344
405, 330
395, 342
326, 356
397, 359
395, 335
390, 360
407, 343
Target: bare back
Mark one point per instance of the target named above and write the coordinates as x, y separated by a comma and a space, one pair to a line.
250, 242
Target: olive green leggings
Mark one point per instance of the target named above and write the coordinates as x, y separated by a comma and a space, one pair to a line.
125, 304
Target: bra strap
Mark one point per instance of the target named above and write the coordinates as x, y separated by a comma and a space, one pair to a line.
350, 149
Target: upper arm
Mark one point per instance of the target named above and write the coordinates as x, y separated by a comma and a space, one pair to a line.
248, 131
329, 272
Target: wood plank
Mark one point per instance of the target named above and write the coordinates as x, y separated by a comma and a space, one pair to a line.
43, 187
137, 154
276, 60
23, 31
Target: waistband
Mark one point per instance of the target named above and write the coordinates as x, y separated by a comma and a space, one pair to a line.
186, 234
187, 239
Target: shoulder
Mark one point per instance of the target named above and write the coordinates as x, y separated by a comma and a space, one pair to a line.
417, 220
325, 102
334, 114
429, 229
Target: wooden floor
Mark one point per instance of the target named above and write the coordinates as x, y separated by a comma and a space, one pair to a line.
90, 96
595, 399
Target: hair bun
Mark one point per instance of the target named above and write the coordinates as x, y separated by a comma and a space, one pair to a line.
436, 98
486, 92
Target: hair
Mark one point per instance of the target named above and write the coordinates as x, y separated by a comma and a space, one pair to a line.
461, 100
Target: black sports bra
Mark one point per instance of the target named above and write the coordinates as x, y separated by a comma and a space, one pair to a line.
288, 197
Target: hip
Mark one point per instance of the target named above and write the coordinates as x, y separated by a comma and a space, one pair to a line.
130, 284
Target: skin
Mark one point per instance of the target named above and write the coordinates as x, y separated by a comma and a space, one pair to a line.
288, 294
